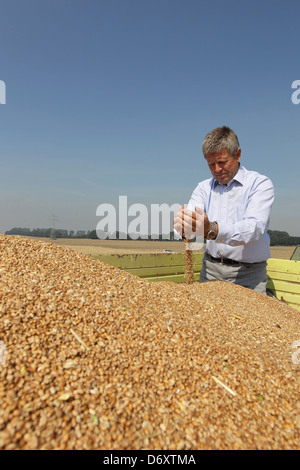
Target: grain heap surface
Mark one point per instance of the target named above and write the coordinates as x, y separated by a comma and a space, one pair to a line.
97, 358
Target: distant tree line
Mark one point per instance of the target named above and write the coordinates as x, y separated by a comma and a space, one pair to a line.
277, 237
49, 232
282, 238
91, 234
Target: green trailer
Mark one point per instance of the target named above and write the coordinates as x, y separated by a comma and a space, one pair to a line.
283, 275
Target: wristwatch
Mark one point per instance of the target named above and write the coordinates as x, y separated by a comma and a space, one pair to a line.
212, 233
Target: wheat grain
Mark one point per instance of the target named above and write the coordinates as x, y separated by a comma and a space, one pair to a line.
143, 377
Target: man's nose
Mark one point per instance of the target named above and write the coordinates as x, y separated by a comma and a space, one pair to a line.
217, 168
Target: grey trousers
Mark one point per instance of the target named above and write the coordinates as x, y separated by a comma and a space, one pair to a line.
250, 275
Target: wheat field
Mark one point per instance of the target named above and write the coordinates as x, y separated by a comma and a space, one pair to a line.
106, 247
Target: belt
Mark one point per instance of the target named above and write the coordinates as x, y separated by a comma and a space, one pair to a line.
230, 262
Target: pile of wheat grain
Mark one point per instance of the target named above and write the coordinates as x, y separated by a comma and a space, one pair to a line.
96, 358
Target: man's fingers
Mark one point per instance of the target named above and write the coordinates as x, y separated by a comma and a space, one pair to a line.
199, 211
188, 223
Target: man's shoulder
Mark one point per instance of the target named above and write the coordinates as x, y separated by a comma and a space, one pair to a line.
252, 176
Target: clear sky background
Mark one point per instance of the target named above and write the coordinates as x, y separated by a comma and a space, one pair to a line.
114, 97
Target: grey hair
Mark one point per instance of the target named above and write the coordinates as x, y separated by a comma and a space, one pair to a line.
218, 139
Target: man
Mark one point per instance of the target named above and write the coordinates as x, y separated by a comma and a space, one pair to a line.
232, 211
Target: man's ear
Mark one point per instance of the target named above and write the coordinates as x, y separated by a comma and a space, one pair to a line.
238, 154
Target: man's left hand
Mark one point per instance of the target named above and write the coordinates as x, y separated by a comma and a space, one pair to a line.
190, 224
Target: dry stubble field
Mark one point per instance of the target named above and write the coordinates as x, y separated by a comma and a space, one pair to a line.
99, 247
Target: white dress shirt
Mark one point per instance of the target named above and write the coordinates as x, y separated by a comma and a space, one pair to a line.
242, 209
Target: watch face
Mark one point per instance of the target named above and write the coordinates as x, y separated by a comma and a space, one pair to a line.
211, 235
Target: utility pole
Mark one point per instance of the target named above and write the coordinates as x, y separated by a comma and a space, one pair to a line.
52, 234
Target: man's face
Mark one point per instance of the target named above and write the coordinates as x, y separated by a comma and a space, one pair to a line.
223, 165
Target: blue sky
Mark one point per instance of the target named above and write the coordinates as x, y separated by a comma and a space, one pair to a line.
114, 97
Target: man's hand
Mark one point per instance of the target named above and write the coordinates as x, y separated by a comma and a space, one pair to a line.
190, 224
